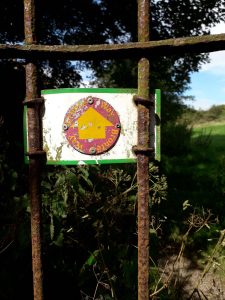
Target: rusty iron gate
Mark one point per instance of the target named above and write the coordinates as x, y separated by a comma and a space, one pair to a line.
144, 49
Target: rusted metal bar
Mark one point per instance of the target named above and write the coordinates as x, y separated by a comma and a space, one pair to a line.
143, 156
194, 44
35, 146
147, 102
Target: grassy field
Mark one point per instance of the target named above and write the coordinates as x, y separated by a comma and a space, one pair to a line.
214, 135
210, 171
197, 176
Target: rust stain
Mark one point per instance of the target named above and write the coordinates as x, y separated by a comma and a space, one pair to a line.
35, 146
143, 156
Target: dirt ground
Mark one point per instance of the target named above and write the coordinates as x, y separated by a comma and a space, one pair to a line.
191, 281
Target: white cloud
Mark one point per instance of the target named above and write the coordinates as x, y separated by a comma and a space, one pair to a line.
216, 64
201, 100
219, 28
217, 59
208, 85
201, 103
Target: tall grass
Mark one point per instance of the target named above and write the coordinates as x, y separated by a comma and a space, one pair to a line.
216, 131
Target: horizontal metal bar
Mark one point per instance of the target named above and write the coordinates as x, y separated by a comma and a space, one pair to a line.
206, 43
36, 153
33, 102
144, 101
139, 149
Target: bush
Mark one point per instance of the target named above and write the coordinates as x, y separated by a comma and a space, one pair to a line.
176, 139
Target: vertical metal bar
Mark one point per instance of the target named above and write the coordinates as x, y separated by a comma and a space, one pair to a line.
158, 126
143, 157
35, 144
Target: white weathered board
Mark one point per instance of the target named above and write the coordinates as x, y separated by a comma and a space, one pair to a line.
59, 151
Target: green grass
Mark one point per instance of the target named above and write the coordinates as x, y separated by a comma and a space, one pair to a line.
208, 156
215, 133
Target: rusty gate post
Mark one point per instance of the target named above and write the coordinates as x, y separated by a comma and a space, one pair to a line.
142, 150
33, 102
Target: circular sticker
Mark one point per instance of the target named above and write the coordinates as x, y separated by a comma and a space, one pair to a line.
92, 126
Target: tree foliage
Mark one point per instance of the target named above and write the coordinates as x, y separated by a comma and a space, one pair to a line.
89, 213
100, 21
169, 19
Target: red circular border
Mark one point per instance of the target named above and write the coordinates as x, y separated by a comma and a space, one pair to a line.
91, 146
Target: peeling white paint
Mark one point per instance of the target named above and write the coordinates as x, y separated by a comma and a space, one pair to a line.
56, 106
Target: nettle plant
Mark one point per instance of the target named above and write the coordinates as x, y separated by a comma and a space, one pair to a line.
91, 210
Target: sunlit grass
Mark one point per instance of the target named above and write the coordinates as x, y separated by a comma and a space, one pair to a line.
215, 132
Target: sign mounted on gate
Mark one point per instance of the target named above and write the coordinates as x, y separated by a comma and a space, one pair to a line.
92, 126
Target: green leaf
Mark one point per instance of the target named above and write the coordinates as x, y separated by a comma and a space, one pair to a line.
52, 227
92, 258
59, 241
186, 204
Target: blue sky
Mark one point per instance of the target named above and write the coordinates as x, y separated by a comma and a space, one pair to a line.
208, 85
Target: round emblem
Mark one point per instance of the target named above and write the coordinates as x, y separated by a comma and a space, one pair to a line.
92, 126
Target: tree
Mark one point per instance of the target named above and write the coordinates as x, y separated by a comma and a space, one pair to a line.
170, 19
84, 222
76, 24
